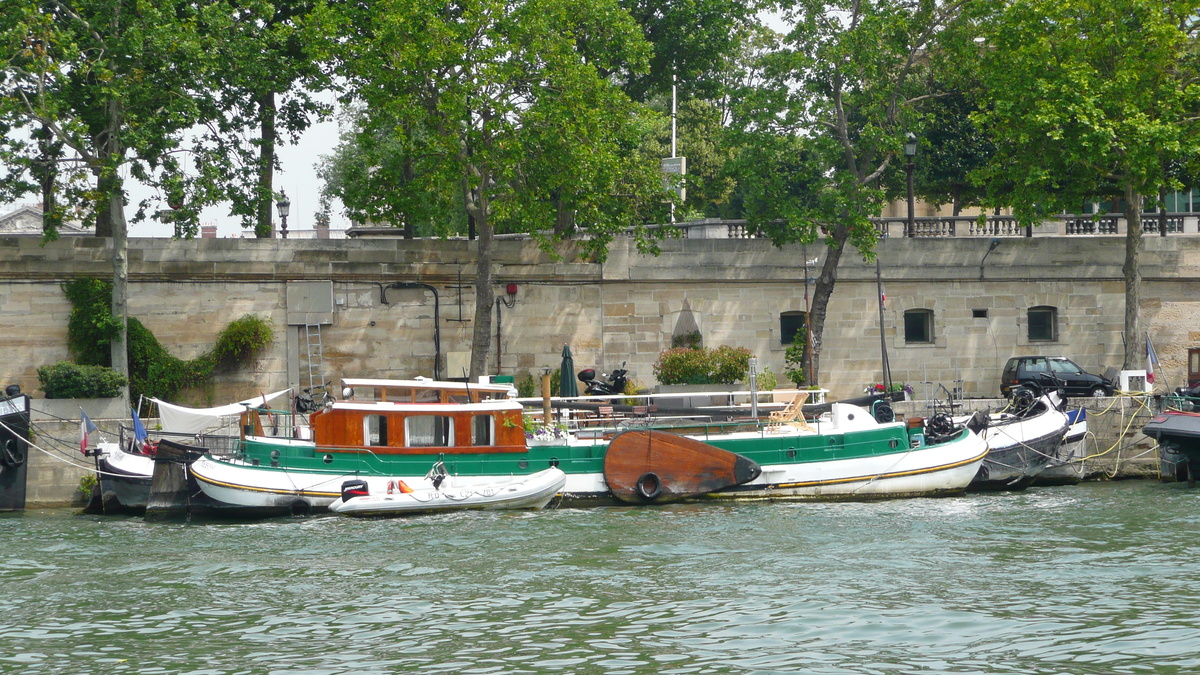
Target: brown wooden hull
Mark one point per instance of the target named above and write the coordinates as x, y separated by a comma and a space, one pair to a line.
644, 466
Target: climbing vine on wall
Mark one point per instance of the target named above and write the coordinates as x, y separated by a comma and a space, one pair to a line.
153, 371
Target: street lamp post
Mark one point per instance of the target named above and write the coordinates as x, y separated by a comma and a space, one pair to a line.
285, 207
910, 151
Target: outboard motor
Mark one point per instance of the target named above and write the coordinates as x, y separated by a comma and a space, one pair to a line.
354, 488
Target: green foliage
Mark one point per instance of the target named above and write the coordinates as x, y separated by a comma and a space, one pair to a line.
723, 365
682, 365
153, 371
767, 380
793, 359
730, 364
68, 380
87, 483
526, 386
91, 327
690, 340
239, 341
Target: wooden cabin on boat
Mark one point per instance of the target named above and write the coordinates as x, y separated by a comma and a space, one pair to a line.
413, 417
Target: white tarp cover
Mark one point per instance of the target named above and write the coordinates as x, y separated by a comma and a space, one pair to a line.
178, 419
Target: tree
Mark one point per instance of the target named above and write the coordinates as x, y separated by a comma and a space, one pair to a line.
693, 41
1087, 99
831, 113
269, 65
111, 81
506, 102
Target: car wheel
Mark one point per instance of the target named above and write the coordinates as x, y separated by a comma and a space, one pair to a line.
1098, 392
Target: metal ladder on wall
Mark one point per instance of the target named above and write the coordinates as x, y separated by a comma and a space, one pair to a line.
316, 359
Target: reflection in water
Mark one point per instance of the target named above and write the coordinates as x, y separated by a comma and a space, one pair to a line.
1096, 578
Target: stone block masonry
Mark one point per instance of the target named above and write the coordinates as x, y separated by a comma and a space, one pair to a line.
624, 310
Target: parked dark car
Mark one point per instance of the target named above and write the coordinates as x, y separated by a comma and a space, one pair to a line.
1049, 372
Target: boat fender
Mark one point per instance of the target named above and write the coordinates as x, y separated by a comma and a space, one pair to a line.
649, 485
355, 488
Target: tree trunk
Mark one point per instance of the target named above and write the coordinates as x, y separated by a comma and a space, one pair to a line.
485, 298
46, 172
120, 292
112, 151
564, 220
104, 207
1133, 277
822, 292
263, 228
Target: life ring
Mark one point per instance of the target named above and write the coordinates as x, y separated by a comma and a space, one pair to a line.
649, 485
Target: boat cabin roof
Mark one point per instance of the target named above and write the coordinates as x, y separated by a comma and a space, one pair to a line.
427, 407
424, 390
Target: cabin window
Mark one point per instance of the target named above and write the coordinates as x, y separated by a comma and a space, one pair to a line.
791, 327
482, 430
918, 326
429, 431
375, 430
1043, 324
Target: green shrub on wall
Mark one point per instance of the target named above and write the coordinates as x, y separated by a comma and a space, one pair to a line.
69, 380
723, 365
153, 371
241, 339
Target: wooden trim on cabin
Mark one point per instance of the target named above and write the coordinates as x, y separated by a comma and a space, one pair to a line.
345, 429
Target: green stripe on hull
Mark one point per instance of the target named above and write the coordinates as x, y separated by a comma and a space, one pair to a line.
764, 448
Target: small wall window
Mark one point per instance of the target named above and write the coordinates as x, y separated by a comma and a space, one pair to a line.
791, 327
482, 427
918, 326
1043, 324
429, 431
375, 430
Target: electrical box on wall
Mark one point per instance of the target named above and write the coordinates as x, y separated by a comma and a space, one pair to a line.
309, 303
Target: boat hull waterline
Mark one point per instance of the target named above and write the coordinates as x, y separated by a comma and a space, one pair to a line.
939, 470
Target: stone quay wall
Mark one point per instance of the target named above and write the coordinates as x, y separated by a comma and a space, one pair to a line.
622, 310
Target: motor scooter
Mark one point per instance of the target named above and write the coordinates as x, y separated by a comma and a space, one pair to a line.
614, 382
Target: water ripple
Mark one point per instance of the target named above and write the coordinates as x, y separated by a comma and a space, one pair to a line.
1096, 578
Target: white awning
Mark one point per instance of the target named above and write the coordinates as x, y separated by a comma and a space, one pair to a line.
183, 420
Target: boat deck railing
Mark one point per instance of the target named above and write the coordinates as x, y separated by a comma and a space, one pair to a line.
220, 442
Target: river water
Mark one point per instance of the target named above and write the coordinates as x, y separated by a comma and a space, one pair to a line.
1094, 578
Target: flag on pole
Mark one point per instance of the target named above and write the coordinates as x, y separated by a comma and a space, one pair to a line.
1151, 360
139, 429
86, 426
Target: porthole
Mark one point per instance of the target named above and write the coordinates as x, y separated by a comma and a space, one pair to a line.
893, 444
274, 454
553, 461
328, 459
523, 464
791, 453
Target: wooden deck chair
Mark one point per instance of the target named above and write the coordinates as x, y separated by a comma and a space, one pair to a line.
792, 414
